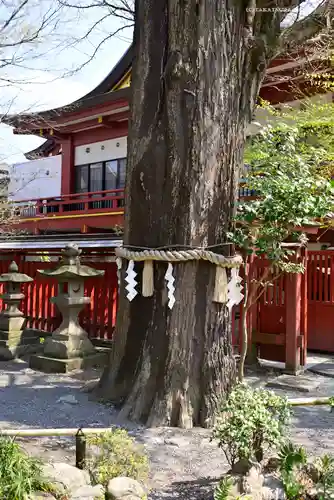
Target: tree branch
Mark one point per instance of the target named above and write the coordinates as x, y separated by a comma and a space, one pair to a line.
318, 23
123, 10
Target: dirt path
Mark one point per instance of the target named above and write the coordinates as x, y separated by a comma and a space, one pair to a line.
184, 464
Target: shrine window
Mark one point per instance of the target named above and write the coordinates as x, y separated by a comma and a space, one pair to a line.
100, 176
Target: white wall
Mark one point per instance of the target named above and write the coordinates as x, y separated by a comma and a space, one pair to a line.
35, 179
110, 149
315, 246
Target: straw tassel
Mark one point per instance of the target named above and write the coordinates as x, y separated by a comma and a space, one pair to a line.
148, 279
220, 291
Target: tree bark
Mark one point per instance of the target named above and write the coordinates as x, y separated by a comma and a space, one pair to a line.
195, 80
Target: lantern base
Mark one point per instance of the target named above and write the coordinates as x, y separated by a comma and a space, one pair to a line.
15, 344
66, 346
54, 365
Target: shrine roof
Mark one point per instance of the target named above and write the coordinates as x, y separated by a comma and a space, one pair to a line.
41, 151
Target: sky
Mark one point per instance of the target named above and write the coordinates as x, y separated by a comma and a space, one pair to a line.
42, 85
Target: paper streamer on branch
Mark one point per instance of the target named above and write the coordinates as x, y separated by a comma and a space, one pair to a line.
130, 279
119, 268
234, 288
170, 285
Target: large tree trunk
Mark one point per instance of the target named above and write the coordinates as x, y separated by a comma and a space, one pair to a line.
194, 82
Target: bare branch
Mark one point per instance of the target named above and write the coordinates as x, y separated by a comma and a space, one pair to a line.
96, 50
122, 10
13, 15
318, 23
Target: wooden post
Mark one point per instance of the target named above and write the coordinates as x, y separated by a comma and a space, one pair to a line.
67, 166
80, 449
293, 301
304, 311
253, 313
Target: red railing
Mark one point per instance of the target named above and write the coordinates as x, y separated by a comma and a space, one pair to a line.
97, 201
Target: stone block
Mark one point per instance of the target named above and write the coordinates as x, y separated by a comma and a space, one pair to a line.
89, 493
325, 369
125, 487
14, 345
301, 383
68, 346
65, 477
56, 365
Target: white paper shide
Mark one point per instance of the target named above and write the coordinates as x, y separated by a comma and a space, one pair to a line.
234, 289
170, 285
119, 268
131, 280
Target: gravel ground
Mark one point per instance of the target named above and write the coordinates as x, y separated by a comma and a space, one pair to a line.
184, 464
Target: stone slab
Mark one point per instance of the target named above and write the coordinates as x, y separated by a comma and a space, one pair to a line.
301, 383
326, 369
10, 349
54, 365
35, 332
101, 342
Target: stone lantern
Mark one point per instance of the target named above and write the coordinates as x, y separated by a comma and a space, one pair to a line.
69, 347
12, 320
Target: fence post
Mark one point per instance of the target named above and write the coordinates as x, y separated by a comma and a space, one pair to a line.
304, 311
293, 304
80, 449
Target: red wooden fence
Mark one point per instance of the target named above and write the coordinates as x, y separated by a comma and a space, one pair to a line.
321, 300
271, 317
277, 323
98, 318
295, 313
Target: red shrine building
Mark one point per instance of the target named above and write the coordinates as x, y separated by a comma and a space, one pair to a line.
90, 135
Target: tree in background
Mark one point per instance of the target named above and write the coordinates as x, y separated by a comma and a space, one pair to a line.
195, 81
289, 168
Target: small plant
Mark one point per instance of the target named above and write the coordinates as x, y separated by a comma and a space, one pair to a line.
116, 454
291, 457
331, 402
250, 420
20, 475
223, 490
292, 460
325, 468
293, 488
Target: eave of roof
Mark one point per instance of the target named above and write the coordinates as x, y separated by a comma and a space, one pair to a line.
41, 151
50, 117
55, 242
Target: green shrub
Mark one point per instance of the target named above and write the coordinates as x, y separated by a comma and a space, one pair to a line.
116, 454
250, 420
20, 475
